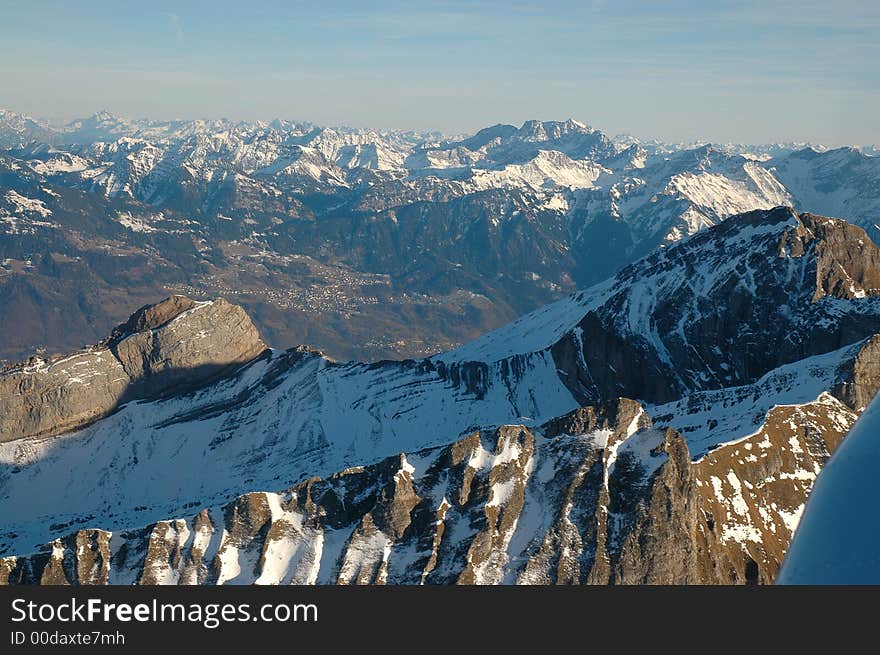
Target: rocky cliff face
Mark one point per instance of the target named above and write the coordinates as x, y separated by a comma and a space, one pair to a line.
598, 496
429, 243
751, 347
861, 379
169, 347
758, 291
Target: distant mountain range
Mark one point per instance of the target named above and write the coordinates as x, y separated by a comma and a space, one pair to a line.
664, 425
364, 244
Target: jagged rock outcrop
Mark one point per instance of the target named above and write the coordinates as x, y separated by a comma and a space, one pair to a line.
82, 558
712, 313
847, 261
861, 376
163, 348
598, 496
471, 232
747, 378
752, 492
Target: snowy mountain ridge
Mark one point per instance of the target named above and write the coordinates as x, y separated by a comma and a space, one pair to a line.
802, 291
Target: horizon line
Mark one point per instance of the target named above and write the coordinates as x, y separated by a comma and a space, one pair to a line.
60, 123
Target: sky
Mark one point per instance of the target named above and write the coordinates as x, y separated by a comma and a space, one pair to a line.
750, 72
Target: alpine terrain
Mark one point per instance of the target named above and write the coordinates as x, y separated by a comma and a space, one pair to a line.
663, 424
364, 244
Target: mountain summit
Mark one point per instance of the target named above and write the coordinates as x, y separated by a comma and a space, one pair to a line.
747, 351
162, 349
430, 241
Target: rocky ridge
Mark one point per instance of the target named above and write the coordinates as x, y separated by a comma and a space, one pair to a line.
598, 496
751, 348
167, 348
308, 226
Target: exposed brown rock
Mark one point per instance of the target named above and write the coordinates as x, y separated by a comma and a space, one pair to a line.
616, 415
7, 566
175, 345
54, 572
393, 514
164, 552
848, 262
751, 492
660, 548
195, 569
862, 376
92, 557
487, 555
152, 317
600, 498
658, 337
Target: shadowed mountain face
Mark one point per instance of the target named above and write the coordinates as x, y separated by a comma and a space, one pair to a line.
363, 244
749, 349
162, 349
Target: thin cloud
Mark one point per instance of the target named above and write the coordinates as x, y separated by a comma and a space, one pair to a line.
174, 21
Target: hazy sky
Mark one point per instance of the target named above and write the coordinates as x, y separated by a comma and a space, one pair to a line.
745, 71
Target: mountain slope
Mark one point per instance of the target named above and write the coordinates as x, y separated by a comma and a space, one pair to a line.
308, 226
597, 496
843, 182
757, 333
833, 545
722, 308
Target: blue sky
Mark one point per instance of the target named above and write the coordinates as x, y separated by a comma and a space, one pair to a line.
745, 71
